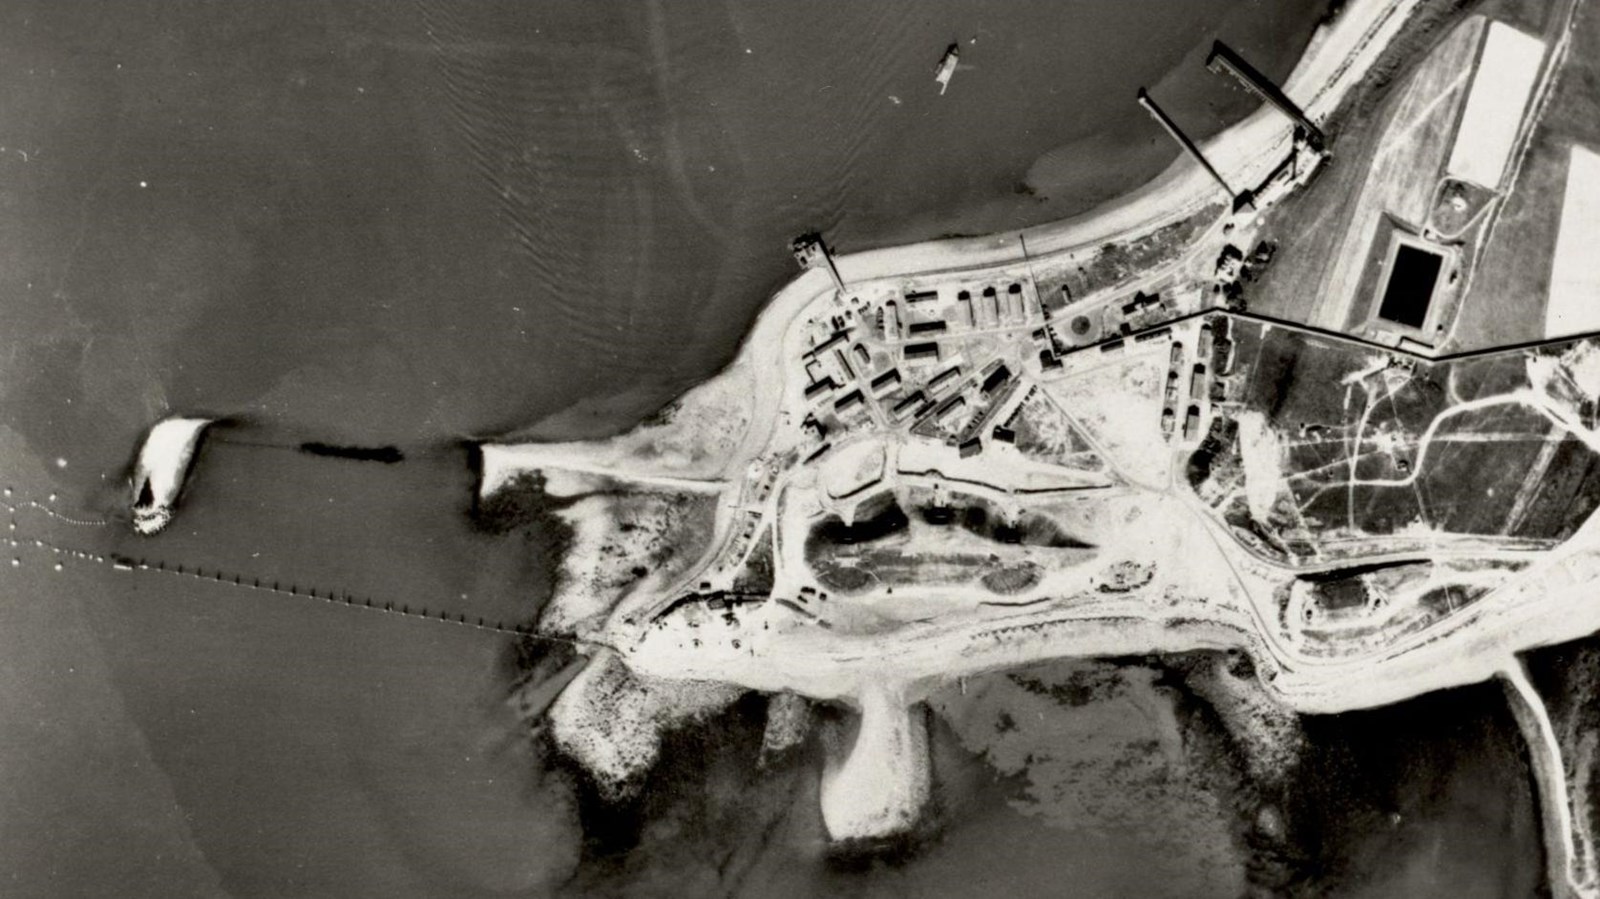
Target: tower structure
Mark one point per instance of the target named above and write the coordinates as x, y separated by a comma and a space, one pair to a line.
810, 252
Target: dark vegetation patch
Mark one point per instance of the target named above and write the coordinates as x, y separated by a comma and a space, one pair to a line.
1341, 593
1011, 578
756, 575
1450, 598
833, 530
522, 504
1567, 494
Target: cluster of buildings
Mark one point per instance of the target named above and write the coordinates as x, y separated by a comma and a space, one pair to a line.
941, 363
1197, 383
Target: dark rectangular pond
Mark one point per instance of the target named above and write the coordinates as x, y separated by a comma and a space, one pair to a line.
1409, 292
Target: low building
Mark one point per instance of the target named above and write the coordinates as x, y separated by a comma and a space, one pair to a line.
922, 352
844, 365
909, 404
945, 377
933, 327
1191, 423
889, 380
971, 447
951, 409
818, 388
996, 379
833, 340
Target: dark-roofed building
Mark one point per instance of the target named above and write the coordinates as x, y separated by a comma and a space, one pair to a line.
844, 364
819, 387
922, 352
1048, 360
1191, 423
971, 447
888, 380
943, 378
853, 398
932, 327
1004, 434
908, 404
996, 379
950, 408
922, 296
834, 340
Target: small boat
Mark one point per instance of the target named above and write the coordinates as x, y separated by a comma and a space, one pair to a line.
947, 67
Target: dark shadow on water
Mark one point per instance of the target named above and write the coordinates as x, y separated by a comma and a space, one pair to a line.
387, 455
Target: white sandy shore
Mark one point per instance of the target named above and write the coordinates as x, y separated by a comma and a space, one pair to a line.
1338, 57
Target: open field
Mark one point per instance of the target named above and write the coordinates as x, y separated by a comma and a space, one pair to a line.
1506, 299
1312, 226
1361, 445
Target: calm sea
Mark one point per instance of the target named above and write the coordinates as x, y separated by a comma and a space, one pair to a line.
414, 223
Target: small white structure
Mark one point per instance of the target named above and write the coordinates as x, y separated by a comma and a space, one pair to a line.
159, 474
1507, 69
947, 67
1573, 306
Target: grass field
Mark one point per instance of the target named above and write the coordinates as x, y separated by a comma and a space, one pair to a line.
1342, 417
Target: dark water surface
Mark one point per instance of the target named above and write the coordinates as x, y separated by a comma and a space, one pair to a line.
378, 223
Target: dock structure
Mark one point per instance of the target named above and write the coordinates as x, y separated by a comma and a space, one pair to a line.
1241, 199
810, 252
1223, 60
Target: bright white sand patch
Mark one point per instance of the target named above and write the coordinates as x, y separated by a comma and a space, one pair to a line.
1500, 89
1259, 451
1583, 365
1574, 302
852, 468
163, 462
881, 785
1120, 407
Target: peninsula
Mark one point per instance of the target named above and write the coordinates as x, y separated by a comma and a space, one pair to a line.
1251, 407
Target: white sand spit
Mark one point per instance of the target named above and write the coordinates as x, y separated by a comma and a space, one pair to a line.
881, 785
